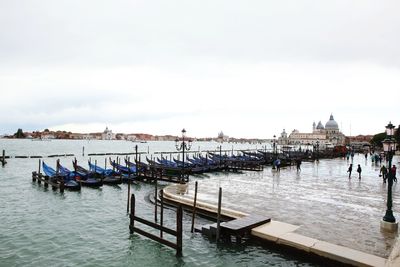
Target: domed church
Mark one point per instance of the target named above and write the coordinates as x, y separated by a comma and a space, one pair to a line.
329, 135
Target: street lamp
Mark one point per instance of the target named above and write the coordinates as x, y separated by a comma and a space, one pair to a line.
274, 146
183, 145
389, 146
274, 156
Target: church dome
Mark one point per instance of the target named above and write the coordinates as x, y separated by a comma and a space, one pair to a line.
332, 124
320, 126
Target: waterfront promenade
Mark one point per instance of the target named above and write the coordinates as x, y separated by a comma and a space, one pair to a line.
320, 199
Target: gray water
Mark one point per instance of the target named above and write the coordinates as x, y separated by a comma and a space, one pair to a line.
41, 227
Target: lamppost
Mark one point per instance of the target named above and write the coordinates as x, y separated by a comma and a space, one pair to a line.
389, 146
274, 156
274, 146
184, 145
317, 149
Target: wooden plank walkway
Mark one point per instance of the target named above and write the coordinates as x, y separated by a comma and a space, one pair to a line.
242, 226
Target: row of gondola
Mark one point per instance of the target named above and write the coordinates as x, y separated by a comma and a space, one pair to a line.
95, 176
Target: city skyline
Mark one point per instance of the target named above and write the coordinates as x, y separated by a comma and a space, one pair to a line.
248, 70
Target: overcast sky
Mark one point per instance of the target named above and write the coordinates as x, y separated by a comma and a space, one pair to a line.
248, 68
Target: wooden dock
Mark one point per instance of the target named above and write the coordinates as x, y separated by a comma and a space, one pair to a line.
242, 227
146, 177
46, 181
238, 228
243, 166
154, 174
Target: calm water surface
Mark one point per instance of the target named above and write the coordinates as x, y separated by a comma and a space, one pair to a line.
40, 227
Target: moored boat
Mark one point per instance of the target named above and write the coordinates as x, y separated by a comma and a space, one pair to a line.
69, 182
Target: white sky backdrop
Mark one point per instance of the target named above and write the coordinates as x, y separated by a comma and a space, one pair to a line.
248, 68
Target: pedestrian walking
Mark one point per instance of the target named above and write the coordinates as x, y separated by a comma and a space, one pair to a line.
278, 165
359, 171
393, 171
350, 169
383, 172
298, 164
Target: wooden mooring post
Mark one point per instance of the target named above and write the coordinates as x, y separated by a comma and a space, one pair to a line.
219, 214
177, 233
155, 195
3, 158
39, 177
194, 207
129, 194
161, 211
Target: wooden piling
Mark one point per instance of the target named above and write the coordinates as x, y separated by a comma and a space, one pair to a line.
194, 206
136, 161
132, 215
129, 193
155, 196
177, 233
83, 151
62, 185
46, 181
3, 160
219, 214
161, 212
179, 213
40, 166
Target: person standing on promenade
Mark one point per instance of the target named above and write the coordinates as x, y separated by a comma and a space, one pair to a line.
359, 171
393, 172
350, 169
383, 173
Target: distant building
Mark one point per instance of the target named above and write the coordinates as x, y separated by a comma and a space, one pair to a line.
48, 136
327, 136
360, 142
131, 137
359, 138
107, 134
222, 137
76, 136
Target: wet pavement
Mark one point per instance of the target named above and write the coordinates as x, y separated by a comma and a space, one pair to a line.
320, 198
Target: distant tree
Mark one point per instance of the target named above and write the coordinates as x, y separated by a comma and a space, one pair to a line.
377, 139
46, 130
19, 134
